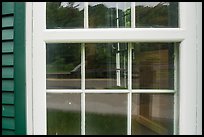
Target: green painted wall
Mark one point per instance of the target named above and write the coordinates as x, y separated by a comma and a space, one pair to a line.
13, 68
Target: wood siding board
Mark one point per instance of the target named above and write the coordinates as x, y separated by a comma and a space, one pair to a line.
8, 110
7, 8
7, 59
7, 21
7, 85
7, 72
8, 132
8, 123
7, 34
8, 98
7, 47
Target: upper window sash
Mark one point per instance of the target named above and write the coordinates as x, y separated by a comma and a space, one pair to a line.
106, 34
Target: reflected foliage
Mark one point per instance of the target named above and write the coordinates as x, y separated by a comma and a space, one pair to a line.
63, 57
100, 16
69, 15
164, 14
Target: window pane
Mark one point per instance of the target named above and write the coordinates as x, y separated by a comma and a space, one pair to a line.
106, 114
152, 114
63, 66
109, 15
63, 114
64, 15
156, 14
106, 66
153, 66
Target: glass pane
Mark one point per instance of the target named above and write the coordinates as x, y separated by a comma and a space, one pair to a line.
153, 66
63, 66
63, 114
106, 114
64, 15
106, 66
152, 114
109, 15
156, 14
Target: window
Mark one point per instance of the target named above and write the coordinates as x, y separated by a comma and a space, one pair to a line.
124, 70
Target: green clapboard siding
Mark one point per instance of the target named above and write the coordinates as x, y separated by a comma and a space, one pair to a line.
8, 132
8, 123
8, 98
7, 34
7, 59
7, 72
8, 110
7, 46
7, 85
7, 8
7, 21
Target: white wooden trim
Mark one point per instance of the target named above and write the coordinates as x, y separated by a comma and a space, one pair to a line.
152, 91
159, 91
29, 67
187, 87
176, 88
129, 108
64, 91
114, 35
132, 14
199, 66
83, 89
106, 91
39, 70
86, 15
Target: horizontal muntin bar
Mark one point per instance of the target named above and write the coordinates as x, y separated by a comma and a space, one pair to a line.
64, 91
153, 91
113, 35
109, 91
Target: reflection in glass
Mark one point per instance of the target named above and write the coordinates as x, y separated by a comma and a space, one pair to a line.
106, 114
63, 114
156, 14
64, 15
106, 66
109, 15
152, 114
63, 66
153, 66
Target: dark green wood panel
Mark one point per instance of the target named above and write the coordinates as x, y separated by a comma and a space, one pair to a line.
19, 72
8, 132
7, 46
8, 123
7, 34
8, 98
7, 59
7, 72
7, 21
8, 110
7, 8
7, 85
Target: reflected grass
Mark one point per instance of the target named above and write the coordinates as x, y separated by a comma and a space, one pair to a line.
63, 122
69, 123
106, 124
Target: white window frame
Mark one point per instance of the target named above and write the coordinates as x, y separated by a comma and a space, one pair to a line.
188, 34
